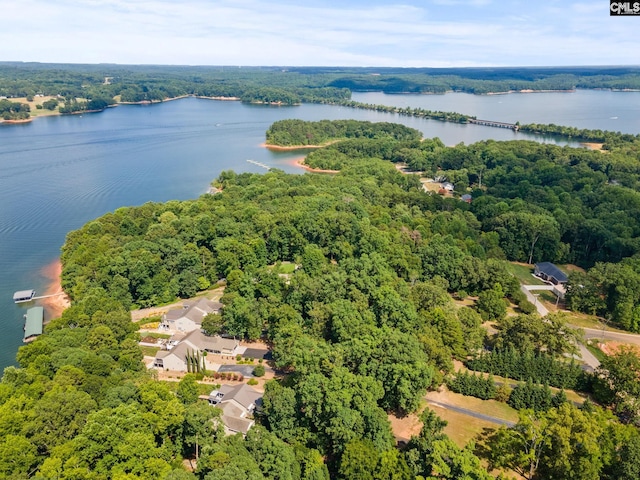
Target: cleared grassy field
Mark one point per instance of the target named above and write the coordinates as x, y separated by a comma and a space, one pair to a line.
524, 273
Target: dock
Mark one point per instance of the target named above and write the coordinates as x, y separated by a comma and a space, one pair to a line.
34, 319
48, 296
259, 164
24, 296
491, 123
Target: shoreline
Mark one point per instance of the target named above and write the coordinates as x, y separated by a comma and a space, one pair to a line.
300, 163
289, 148
593, 145
54, 306
142, 102
17, 122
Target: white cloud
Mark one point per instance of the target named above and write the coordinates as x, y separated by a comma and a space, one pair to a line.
252, 32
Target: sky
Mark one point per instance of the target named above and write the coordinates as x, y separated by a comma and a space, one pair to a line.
411, 33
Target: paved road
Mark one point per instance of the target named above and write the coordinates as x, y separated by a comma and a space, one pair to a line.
471, 413
588, 358
600, 334
542, 310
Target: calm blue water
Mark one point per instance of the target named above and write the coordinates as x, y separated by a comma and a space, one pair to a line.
57, 173
593, 109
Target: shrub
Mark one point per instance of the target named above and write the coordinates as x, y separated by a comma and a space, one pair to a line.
259, 371
238, 357
503, 393
473, 385
252, 381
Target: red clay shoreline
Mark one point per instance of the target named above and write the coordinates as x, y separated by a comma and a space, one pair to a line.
59, 303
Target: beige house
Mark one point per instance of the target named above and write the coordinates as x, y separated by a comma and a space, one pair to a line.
237, 404
190, 316
194, 342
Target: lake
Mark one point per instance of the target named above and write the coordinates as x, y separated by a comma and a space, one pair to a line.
57, 173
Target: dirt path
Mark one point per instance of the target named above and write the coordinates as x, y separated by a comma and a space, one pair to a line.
137, 315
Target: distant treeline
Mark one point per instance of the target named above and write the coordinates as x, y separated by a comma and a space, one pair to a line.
136, 83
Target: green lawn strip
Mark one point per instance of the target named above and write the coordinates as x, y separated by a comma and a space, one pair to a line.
149, 351
596, 352
524, 274
154, 335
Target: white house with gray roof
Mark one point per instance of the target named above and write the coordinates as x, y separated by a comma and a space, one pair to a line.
190, 316
194, 342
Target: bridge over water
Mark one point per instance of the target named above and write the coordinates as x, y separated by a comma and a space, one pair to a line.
491, 123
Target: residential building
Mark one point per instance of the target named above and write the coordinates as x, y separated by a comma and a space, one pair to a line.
190, 316
238, 403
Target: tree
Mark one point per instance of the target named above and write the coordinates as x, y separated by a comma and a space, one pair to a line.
213, 324
551, 334
188, 389
432, 454
491, 304
519, 448
617, 383
564, 442
18, 457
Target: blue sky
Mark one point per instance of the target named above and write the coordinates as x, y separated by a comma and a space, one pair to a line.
427, 33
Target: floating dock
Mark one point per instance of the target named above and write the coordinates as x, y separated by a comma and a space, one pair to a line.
34, 319
24, 296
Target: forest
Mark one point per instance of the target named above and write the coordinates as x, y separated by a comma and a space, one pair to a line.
94, 87
374, 316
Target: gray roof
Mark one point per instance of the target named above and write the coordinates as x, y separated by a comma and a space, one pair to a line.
24, 294
194, 311
550, 270
237, 424
213, 343
243, 394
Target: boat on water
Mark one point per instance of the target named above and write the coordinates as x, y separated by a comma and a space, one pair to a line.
24, 296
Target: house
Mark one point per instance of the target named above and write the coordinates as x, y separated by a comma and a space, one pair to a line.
466, 198
194, 343
448, 186
237, 404
550, 273
190, 316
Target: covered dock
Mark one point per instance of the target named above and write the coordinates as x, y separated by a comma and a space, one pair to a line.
34, 319
23, 296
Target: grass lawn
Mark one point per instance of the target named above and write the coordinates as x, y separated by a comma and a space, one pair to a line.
284, 267
37, 101
492, 408
599, 354
149, 351
524, 273
463, 428
155, 335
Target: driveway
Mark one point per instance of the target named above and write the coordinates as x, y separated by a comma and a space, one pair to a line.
257, 353
471, 413
245, 370
542, 310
